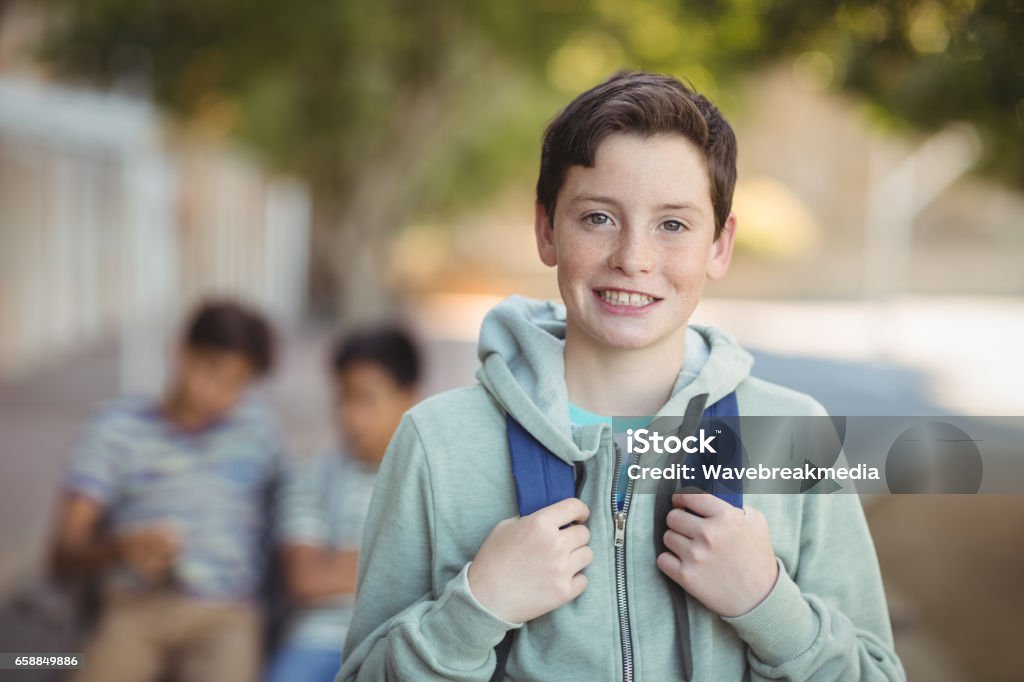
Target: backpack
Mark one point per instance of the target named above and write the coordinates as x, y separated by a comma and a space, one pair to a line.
542, 479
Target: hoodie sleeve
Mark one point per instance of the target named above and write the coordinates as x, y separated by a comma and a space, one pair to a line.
402, 629
829, 619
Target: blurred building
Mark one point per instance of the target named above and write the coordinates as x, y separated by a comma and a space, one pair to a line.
108, 230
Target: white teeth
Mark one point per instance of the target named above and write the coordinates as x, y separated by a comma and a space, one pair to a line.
625, 298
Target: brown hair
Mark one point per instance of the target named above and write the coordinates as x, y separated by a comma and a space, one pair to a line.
390, 348
231, 327
643, 104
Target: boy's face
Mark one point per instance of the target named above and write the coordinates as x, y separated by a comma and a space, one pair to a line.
634, 240
369, 407
212, 381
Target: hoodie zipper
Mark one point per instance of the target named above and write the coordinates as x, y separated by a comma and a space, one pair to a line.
619, 516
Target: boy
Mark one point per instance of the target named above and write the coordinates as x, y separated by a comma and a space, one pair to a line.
164, 499
324, 503
633, 209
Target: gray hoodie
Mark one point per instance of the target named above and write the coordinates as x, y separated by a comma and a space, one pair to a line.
446, 481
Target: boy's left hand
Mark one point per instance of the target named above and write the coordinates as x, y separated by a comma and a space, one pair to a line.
723, 557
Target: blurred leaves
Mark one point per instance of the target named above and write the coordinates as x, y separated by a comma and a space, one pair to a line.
323, 88
928, 63
400, 111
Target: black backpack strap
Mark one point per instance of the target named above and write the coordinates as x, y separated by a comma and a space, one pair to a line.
696, 416
502, 651
662, 506
667, 486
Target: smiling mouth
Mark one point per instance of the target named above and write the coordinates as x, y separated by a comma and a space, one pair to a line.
630, 299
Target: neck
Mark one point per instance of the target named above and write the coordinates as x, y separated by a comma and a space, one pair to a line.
623, 383
175, 409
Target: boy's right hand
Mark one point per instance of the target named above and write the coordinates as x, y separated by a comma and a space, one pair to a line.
150, 551
530, 565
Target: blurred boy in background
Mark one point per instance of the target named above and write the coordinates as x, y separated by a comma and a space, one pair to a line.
325, 500
164, 499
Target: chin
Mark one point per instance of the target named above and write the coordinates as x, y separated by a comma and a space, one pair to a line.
631, 335
625, 339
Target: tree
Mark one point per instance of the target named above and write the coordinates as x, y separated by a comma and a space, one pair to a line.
358, 97
390, 108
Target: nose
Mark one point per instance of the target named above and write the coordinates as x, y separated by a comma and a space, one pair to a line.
633, 253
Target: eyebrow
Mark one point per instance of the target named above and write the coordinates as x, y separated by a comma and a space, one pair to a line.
596, 198
600, 199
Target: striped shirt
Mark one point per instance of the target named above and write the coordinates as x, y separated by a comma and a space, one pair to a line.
212, 486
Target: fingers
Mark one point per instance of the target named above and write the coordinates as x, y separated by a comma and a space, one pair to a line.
151, 551
684, 523
577, 585
163, 540
575, 536
170, 538
670, 565
679, 545
159, 550
580, 558
170, 545
565, 512
704, 504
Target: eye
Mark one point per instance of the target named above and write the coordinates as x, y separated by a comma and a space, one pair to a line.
673, 226
598, 219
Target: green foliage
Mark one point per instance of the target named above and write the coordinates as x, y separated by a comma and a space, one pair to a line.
929, 63
323, 87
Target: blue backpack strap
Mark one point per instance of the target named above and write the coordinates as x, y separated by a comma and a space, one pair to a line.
541, 477
724, 415
726, 407
541, 480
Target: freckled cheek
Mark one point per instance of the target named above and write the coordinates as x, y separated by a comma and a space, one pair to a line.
681, 266
576, 268
569, 287
685, 278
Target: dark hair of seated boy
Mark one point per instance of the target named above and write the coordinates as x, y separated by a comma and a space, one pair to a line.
163, 502
324, 502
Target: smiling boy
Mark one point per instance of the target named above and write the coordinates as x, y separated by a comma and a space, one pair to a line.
634, 212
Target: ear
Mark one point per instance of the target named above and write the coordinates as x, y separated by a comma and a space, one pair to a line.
721, 249
545, 233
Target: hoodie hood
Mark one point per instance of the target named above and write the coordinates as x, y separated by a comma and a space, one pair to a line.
522, 356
